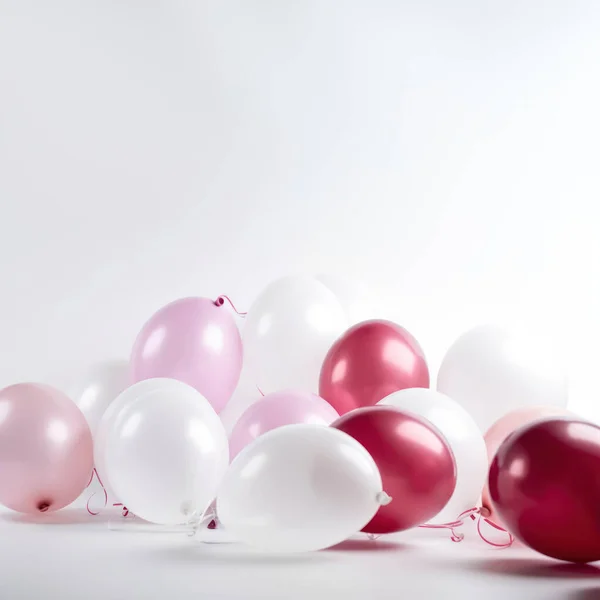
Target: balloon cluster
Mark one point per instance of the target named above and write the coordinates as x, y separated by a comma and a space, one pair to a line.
348, 437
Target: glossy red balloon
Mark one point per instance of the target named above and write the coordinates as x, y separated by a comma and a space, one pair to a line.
416, 464
369, 362
545, 485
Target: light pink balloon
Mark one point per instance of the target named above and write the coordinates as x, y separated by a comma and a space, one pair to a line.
278, 409
46, 449
502, 428
194, 340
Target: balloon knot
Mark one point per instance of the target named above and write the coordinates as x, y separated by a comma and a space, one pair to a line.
220, 301
383, 499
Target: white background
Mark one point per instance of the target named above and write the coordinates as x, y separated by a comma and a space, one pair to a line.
444, 153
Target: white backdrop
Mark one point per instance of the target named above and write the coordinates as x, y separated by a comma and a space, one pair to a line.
444, 153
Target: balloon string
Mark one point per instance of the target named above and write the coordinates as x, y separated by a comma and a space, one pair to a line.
460, 521
507, 544
221, 300
125, 511
475, 514
90, 511
260, 391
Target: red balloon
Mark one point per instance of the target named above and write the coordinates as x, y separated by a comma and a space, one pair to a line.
369, 362
503, 427
416, 465
545, 484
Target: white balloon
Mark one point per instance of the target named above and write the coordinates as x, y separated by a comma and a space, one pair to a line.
110, 416
300, 488
352, 295
288, 331
464, 438
166, 454
98, 389
246, 393
491, 371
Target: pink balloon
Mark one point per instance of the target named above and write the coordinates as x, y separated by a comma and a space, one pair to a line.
278, 409
502, 428
46, 449
194, 340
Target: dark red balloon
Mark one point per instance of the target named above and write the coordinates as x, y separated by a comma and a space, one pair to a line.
545, 485
369, 362
416, 465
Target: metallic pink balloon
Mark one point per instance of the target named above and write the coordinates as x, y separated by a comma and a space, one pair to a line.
502, 428
194, 340
46, 449
278, 409
415, 461
369, 362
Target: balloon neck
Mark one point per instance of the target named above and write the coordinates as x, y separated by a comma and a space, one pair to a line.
220, 301
383, 499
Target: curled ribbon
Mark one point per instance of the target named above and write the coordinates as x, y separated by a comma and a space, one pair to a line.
90, 511
221, 300
473, 514
125, 511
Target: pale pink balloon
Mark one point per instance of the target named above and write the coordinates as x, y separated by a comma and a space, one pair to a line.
194, 340
46, 449
503, 427
278, 409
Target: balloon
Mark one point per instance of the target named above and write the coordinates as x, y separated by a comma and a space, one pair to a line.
278, 409
46, 449
194, 340
299, 488
353, 297
502, 428
369, 362
491, 371
416, 464
288, 331
170, 387
464, 438
166, 455
100, 386
544, 484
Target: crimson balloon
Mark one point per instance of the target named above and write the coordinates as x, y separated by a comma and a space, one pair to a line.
545, 485
503, 427
369, 362
416, 464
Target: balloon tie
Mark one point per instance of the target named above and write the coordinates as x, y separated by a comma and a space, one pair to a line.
383, 499
90, 511
203, 519
124, 511
221, 300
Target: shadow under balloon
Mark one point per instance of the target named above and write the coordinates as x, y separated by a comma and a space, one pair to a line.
535, 568
60, 517
584, 594
238, 555
367, 545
